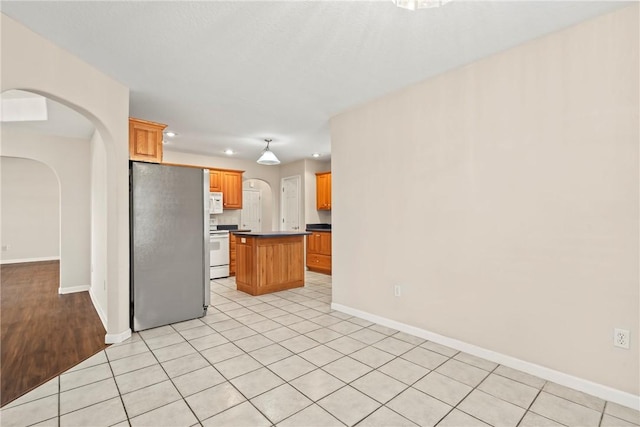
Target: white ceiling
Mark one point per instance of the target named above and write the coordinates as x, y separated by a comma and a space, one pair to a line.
227, 74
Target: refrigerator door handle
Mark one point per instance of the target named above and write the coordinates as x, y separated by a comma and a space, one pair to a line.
205, 230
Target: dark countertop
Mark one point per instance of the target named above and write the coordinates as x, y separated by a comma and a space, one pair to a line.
271, 233
319, 227
230, 227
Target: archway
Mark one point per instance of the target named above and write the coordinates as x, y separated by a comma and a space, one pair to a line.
32, 63
48, 186
62, 142
30, 225
266, 204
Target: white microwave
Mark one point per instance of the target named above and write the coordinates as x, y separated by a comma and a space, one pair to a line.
215, 203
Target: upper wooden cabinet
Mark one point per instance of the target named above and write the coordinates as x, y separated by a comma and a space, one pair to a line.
145, 140
231, 189
323, 191
215, 180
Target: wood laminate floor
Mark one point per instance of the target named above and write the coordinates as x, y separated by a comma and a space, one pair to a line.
43, 333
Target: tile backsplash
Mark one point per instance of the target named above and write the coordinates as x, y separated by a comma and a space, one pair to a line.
227, 217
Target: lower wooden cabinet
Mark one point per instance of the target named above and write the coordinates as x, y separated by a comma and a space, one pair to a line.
232, 254
319, 252
320, 263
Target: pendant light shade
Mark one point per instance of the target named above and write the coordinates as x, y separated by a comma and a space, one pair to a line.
267, 157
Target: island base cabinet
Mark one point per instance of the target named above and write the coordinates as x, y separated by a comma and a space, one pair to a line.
265, 265
232, 254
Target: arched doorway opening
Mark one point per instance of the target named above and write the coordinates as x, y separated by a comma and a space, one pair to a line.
257, 206
34, 64
62, 141
51, 188
30, 225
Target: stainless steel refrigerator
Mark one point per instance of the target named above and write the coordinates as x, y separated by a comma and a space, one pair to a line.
169, 244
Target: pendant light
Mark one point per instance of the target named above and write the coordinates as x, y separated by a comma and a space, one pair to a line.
267, 157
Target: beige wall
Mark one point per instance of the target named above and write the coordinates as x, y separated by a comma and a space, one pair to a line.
69, 159
32, 63
30, 215
512, 187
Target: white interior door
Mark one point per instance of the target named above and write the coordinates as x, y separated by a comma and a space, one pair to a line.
290, 206
251, 213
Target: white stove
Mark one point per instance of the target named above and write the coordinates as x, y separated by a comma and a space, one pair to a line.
219, 253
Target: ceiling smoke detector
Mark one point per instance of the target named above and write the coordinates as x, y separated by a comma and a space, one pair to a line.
419, 4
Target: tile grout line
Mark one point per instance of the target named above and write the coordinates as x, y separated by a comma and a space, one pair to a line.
124, 407
120, 395
59, 400
474, 389
60, 414
531, 404
411, 386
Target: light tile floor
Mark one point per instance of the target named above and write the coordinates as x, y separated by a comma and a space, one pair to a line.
287, 359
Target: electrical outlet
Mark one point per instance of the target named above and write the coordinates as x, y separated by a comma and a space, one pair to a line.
621, 338
397, 290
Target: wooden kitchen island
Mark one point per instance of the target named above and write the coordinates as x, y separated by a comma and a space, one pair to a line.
270, 261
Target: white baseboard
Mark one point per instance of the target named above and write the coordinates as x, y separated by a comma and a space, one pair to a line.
101, 314
116, 338
108, 338
19, 261
73, 289
604, 392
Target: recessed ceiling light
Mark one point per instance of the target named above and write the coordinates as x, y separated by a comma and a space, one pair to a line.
315, 155
228, 152
170, 134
